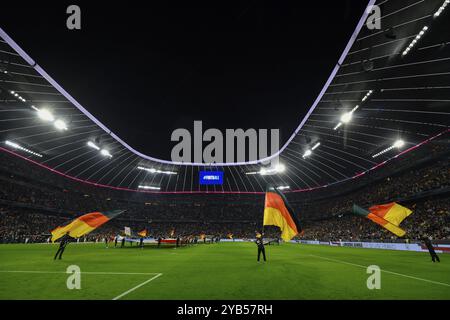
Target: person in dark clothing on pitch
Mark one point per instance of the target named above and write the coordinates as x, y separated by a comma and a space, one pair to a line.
429, 245
62, 245
141, 242
115, 241
260, 243
123, 242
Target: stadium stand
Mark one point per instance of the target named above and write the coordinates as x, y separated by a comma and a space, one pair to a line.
34, 200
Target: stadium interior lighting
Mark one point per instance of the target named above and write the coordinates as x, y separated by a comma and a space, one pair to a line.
397, 144
153, 170
149, 187
346, 117
15, 94
60, 125
307, 153
19, 147
441, 8
367, 95
279, 168
45, 115
283, 187
415, 40
105, 153
93, 145
315, 146
337, 126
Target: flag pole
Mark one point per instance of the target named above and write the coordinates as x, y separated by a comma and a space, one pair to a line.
262, 230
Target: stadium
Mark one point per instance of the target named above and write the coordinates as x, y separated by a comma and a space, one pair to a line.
350, 202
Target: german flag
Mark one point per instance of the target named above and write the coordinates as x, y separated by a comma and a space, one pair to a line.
277, 212
388, 215
84, 224
142, 233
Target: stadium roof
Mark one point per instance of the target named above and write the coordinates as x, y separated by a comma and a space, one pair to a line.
380, 100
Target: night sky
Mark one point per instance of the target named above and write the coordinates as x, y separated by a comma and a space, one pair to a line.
145, 70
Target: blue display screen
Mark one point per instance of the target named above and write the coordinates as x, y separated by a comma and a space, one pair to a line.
211, 177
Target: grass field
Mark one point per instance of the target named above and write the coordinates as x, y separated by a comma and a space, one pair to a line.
219, 271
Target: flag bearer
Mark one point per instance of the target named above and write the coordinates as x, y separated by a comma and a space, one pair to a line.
429, 245
62, 245
259, 242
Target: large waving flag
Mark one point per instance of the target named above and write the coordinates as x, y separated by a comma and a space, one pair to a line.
84, 224
388, 215
277, 212
142, 233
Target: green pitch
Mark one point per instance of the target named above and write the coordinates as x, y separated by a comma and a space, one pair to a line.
219, 271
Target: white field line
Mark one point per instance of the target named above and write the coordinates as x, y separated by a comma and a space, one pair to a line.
137, 287
386, 271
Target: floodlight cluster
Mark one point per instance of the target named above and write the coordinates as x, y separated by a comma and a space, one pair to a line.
148, 187
103, 152
397, 144
347, 117
441, 8
415, 40
19, 147
44, 114
153, 170
309, 152
17, 96
279, 168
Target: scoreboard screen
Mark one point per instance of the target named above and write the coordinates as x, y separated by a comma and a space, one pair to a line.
211, 177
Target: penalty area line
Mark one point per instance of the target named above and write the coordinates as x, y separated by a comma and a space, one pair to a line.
137, 287
382, 270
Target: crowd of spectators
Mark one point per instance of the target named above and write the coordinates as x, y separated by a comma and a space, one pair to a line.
402, 187
32, 204
430, 218
25, 225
